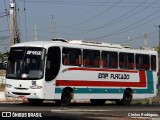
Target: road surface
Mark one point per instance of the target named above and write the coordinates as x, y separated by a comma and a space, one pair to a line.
80, 111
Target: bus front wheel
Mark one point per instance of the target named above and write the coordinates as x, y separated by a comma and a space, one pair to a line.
127, 98
35, 102
66, 97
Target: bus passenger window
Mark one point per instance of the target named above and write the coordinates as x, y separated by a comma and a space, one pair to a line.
86, 61
104, 63
114, 64
91, 58
65, 60
96, 55
142, 61
96, 62
109, 59
71, 56
153, 62
78, 60
131, 66
114, 59
126, 60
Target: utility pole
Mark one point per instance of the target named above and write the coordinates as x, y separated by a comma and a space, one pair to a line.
52, 28
159, 35
35, 32
145, 38
14, 31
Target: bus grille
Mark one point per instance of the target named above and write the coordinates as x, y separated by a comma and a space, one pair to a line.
17, 93
21, 88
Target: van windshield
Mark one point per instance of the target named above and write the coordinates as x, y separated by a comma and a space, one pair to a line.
26, 63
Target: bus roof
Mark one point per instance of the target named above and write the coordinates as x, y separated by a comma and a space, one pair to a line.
85, 45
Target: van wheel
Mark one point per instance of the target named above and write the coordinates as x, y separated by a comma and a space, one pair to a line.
66, 98
35, 102
127, 97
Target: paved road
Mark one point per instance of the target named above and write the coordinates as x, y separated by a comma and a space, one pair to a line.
79, 111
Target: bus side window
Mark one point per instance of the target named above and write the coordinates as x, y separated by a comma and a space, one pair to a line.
153, 62
146, 61
104, 63
78, 60
96, 62
65, 60
130, 60
96, 55
142, 61
91, 58
109, 59
114, 57
71, 56
86, 61
122, 60
53, 63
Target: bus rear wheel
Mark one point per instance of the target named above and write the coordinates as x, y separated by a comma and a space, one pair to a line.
35, 102
66, 98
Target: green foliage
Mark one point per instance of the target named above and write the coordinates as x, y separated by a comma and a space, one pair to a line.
158, 48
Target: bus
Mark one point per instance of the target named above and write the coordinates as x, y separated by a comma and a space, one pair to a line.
63, 70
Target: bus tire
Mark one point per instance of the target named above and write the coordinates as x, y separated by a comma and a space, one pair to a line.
35, 102
127, 97
97, 101
66, 97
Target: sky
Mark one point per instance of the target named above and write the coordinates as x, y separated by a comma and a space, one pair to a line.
124, 22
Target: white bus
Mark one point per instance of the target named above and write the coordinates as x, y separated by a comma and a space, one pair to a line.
62, 70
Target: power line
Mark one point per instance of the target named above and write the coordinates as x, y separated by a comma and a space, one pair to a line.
4, 15
136, 38
118, 31
121, 18
117, 20
92, 3
4, 30
92, 18
138, 25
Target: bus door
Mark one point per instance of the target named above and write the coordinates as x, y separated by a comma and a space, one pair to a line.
52, 69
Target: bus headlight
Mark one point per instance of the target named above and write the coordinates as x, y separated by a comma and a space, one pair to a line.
8, 86
36, 87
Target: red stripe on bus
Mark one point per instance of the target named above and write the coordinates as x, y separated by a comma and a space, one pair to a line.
141, 83
108, 70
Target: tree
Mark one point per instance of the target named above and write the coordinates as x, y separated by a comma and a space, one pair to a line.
158, 49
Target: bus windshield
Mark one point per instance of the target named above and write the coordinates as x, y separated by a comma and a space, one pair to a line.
26, 63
